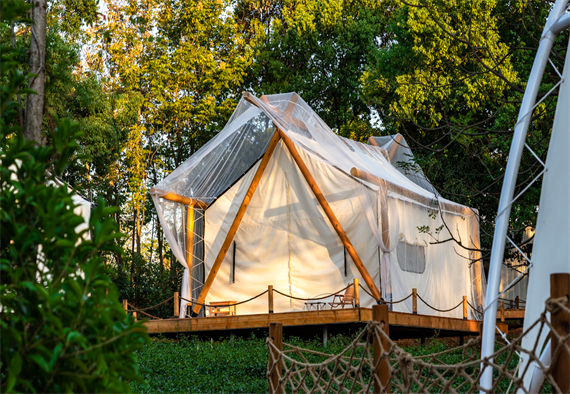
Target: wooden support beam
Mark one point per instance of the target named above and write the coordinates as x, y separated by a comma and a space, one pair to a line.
291, 105
280, 114
275, 363
324, 204
465, 307
394, 147
125, 305
380, 346
330, 214
190, 244
235, 225
560, 287
385, 229
415, 301
356, 293
372, 141
270, 298
176, 304
463, 210
178, 198
502, 312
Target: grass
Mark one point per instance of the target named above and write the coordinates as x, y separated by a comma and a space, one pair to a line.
193, 365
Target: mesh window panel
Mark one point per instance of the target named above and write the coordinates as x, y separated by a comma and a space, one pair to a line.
198, 271
411, 257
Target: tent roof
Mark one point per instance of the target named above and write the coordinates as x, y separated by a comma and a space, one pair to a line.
225, 158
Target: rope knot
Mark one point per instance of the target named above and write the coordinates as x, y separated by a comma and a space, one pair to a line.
555, 305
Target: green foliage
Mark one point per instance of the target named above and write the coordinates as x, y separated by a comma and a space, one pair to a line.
318, 49
144, 283
60, 330
451, 79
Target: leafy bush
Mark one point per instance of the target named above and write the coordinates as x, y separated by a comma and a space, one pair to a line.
144, 284
60, 331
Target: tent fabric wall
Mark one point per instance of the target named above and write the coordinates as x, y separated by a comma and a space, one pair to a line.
286, 240
447, 276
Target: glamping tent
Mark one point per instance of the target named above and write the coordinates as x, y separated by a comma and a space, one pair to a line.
277, 198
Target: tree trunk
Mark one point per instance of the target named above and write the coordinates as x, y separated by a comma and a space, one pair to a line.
138, 228
35, 102
151, 242
160, 256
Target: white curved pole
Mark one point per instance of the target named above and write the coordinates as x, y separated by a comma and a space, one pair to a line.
538, 375
511, 172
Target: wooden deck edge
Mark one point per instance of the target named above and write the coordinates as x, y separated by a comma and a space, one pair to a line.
306, 318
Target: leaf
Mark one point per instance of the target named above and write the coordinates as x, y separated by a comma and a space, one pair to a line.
40, 361
14, 371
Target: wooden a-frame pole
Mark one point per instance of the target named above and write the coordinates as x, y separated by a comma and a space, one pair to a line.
325, 205
330, 215
235, 225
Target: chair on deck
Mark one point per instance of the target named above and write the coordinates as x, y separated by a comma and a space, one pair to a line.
343, 299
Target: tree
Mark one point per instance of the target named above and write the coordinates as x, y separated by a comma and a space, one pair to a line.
451, 80
182, 63
318, 49
35, 102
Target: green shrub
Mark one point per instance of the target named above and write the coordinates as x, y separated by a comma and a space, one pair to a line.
144, 284
60, 332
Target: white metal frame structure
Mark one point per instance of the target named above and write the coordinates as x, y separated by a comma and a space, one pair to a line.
558, 20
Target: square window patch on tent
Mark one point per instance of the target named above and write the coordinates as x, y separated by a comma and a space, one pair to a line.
411, 256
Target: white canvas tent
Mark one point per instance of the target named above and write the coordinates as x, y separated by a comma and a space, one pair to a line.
277, 198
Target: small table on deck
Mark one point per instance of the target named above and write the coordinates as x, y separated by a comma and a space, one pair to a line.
315, 306
223, 308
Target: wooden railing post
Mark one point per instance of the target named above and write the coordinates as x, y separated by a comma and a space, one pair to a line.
275, 333
176, 304
465, 307
356, 294
415, 301
125, 305
518, 302
560, 287
382, 373
135, 316
270, 298
502, 312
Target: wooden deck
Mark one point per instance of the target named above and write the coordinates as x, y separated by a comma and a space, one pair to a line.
402, 325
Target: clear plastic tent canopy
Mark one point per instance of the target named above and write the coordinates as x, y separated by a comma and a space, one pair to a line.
403, 159
382, 189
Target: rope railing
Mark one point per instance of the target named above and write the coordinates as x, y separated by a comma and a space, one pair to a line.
150, 307
227, 305
440, 310
313, 299
144, 313
270, 290
374, 362
382, 301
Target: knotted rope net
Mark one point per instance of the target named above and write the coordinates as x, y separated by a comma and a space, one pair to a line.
456, 370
